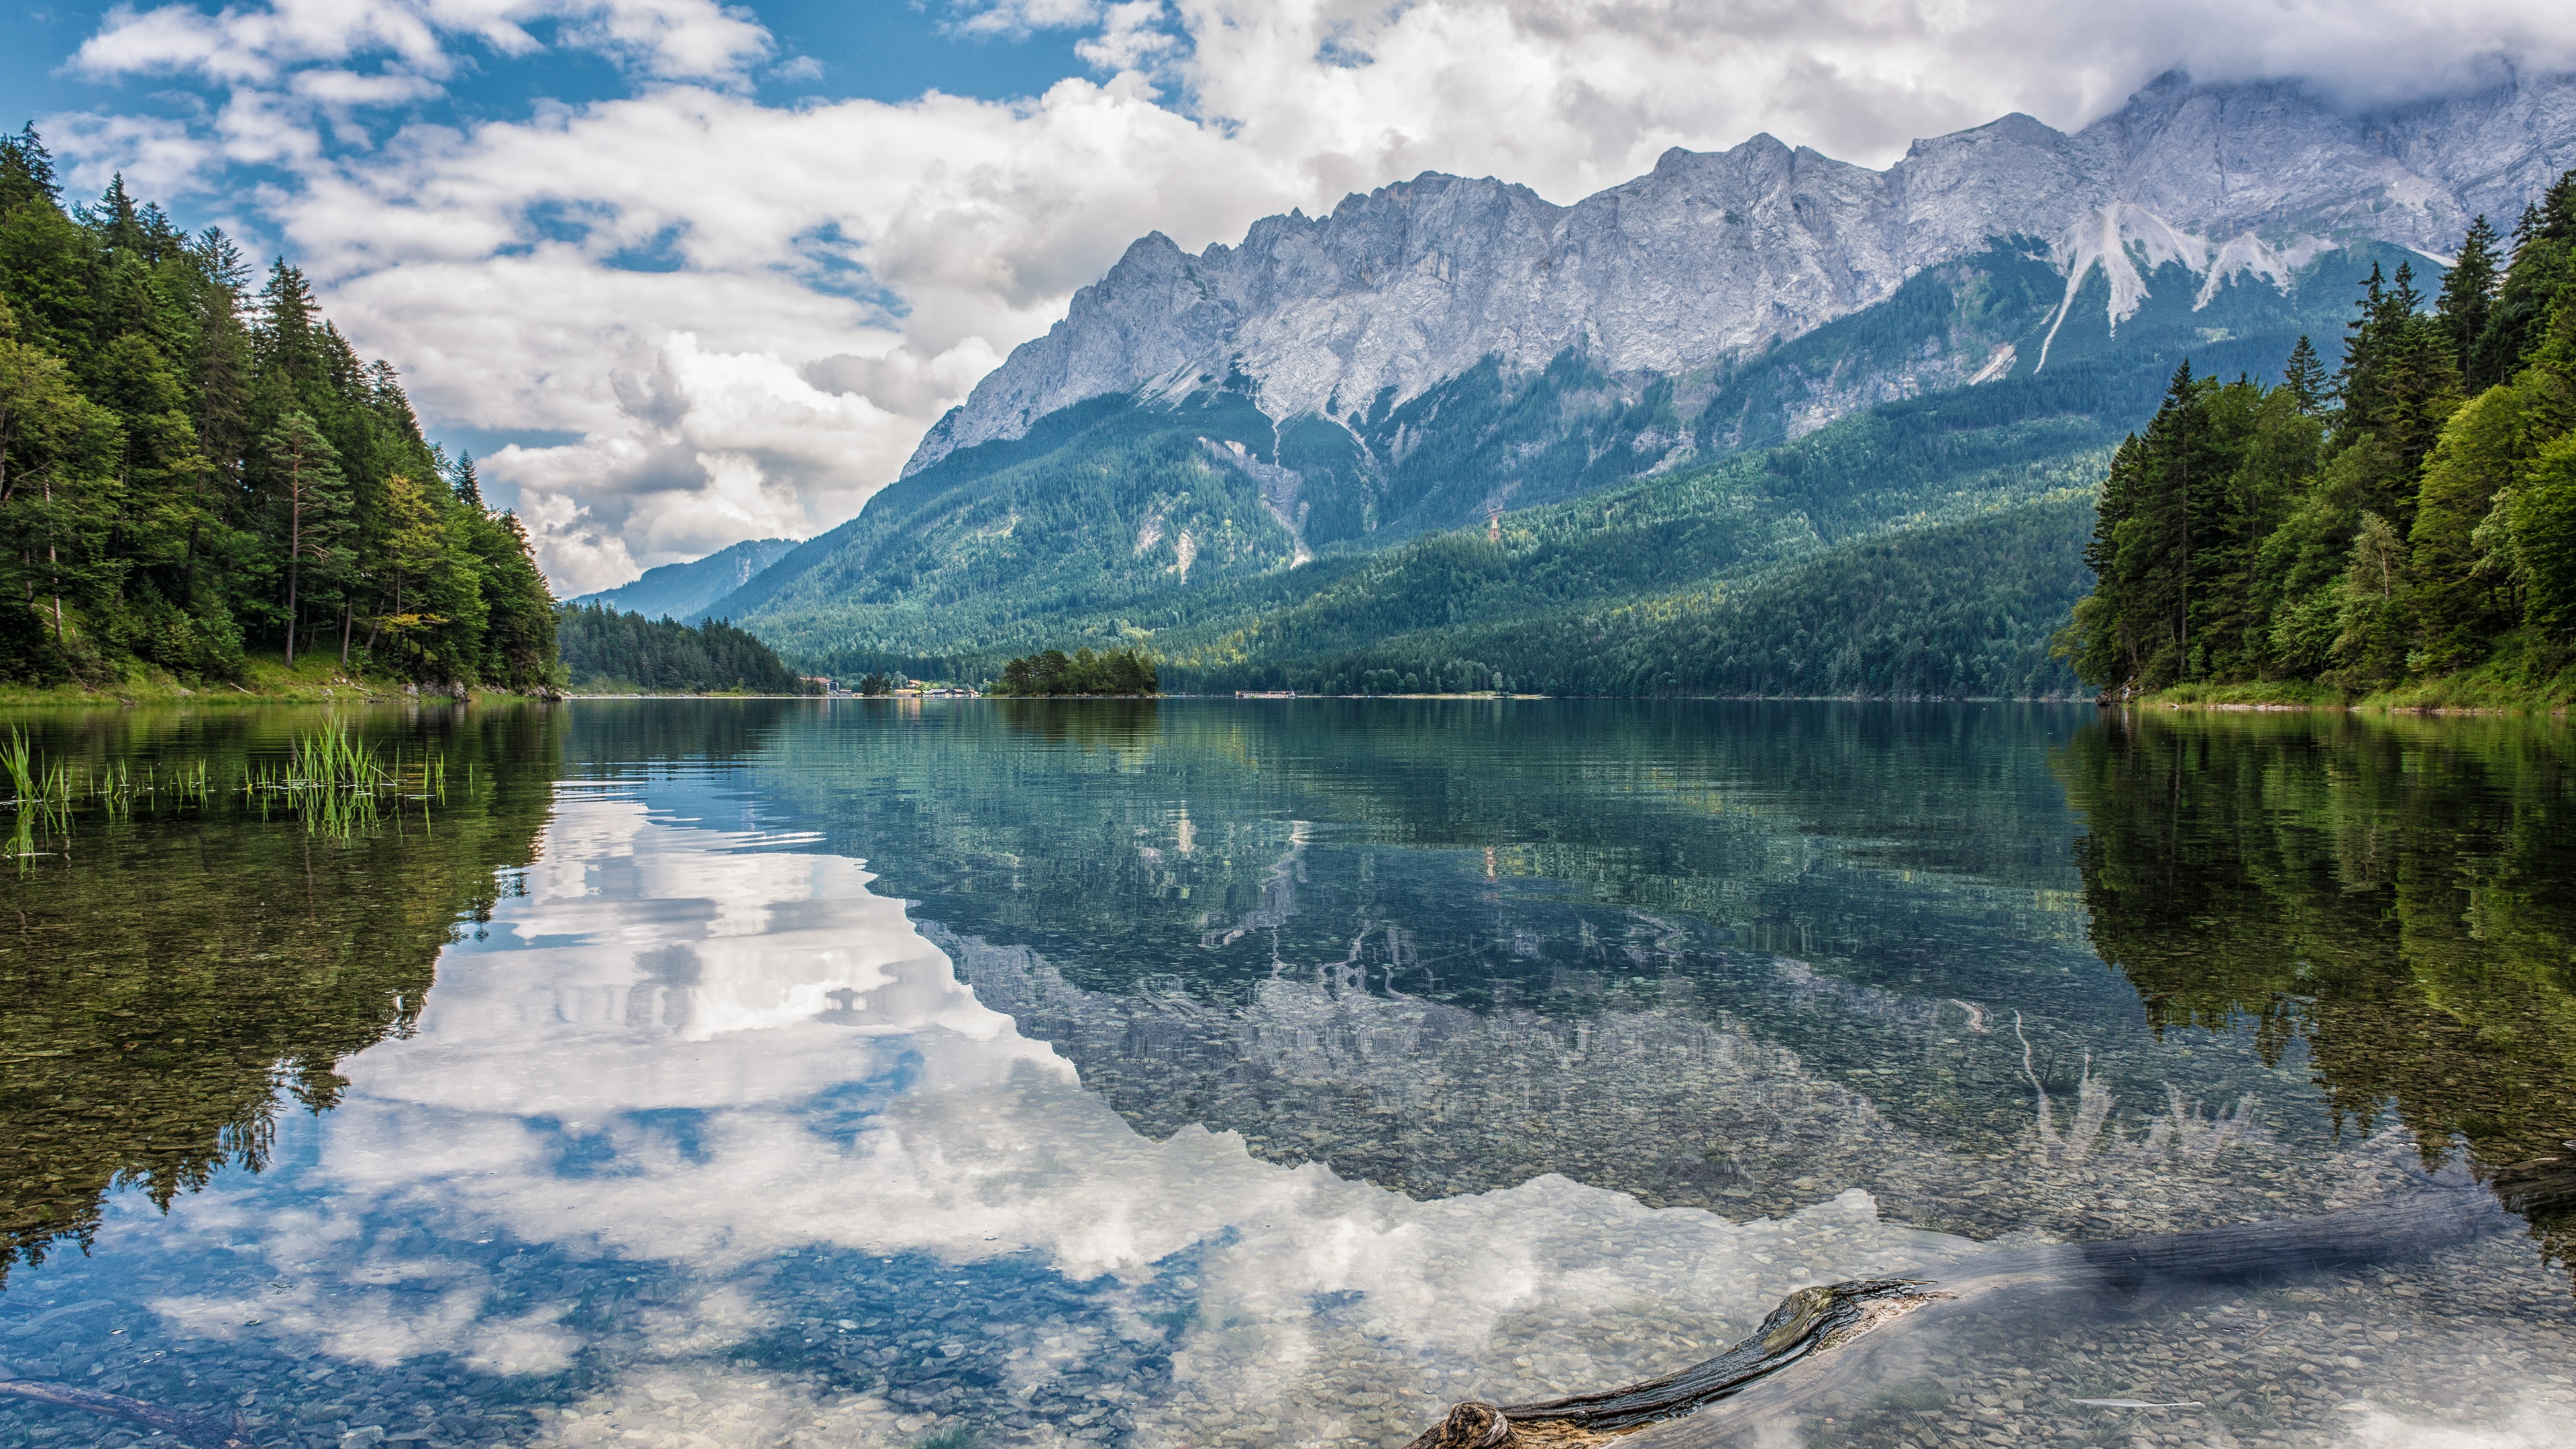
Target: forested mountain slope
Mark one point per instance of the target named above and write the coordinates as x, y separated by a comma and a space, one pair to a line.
695, 589
606, 651
1074, 534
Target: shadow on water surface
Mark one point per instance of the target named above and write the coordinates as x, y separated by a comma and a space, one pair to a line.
2389, 896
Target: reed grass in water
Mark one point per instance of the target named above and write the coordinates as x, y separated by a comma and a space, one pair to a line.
335, 781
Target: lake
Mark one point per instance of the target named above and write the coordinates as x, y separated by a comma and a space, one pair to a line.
1272, 1072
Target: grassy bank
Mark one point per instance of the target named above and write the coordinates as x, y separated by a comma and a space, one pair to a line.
2510, 684
266, 679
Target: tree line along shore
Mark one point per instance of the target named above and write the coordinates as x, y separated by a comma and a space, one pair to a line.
2402, 531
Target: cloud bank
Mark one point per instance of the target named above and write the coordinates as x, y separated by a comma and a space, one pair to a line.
742, 314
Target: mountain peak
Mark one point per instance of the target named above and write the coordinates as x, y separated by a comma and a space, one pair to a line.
1714, 256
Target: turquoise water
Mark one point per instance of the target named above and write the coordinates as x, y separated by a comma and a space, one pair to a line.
1207, 1072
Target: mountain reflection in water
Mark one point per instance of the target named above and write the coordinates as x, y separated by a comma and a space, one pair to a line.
1202, 1073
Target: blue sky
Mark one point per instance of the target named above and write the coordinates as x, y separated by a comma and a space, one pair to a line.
825, 52
683, 273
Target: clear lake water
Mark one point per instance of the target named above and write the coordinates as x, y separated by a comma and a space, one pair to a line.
717, 1073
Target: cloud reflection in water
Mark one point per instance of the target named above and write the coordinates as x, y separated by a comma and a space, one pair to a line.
697, 1050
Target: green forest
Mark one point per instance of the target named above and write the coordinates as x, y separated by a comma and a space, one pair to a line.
194, 474
606, 651
2407, 523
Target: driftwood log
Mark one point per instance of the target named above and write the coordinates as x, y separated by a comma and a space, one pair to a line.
199, 1431
1816, 1335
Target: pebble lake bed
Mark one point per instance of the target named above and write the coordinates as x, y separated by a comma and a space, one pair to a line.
1278, 1072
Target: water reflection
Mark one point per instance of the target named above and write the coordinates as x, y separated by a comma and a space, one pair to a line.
174, 970
687, 1063
1204, 1074
2389, 897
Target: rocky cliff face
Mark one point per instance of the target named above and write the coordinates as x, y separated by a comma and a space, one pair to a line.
1713, 257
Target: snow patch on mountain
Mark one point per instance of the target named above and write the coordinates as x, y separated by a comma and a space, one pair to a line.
2130, 243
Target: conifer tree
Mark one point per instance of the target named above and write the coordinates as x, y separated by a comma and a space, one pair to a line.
119, 223
463, 481
2544, 264
2467, 302
2306, 378
2400, 381
26, 171
312, 507
289, 346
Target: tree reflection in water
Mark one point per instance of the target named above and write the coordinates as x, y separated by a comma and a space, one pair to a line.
2389, 895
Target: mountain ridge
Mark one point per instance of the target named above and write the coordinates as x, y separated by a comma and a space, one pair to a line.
687, 590
1712, 257
1517, 465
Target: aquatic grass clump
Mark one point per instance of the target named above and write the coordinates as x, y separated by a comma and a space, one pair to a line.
40, 796
333, 779
18, 758
32, 782
337, 781
334, 759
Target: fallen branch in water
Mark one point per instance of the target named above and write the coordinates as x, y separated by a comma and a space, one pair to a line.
1808, 1321
1810, 1324
196, 1430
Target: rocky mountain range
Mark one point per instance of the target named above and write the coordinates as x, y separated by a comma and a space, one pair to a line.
1759, 421
1714, 256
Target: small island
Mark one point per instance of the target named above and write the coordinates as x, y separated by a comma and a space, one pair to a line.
1053, 673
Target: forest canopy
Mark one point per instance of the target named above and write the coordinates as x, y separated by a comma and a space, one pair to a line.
191, 471
609, 652
2410, 517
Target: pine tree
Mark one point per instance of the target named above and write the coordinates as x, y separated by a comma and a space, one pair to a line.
312, 511
290, 348
2544, 265
2306, 378
119, 224
26, 171
2400, 381
2468, 300
463, 481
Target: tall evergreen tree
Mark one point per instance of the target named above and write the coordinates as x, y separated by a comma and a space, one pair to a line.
2544, 265
2306, 378
2399, 383
2467, 302
463, 480
26, 171
290, 348
312, 515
